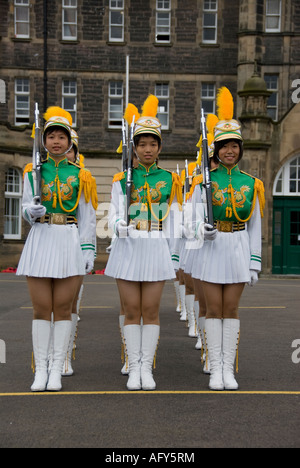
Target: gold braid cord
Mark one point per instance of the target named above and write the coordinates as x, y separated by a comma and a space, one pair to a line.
258, 191
87, 183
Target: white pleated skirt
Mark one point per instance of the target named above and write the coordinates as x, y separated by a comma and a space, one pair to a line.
225, 260
182, 242
144, 258
192, 249
52, 251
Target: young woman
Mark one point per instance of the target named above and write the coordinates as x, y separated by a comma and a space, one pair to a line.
60, 247
140, 258
231, 253
76, 158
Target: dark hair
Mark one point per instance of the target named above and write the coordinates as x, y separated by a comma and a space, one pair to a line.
52, 128
221, 143
137, 138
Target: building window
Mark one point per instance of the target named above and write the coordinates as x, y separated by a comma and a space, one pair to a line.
69, 99
210, 21
272, 104
287, 181
116, 20
163, 21
69, 20
21, 18
22, 95
273, 15
208, 98
115, 104
162, 93
12, 211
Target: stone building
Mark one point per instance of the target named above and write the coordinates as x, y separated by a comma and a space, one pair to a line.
91, 56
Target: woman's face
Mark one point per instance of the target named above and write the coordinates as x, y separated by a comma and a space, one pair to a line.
229, 154
57, 143
147, 150
71, 155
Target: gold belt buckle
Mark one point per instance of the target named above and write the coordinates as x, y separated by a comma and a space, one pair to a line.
142, 225
58, 218
225, 226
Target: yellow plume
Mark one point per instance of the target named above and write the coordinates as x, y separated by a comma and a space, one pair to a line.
150, 106
120, 148
199, 159
130, 111
210, 139
199, 144
211, 122
225, 104
56, 111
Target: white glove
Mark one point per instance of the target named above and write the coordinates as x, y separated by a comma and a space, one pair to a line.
36, 211
253, 277
122, 230
88, 257
209, 232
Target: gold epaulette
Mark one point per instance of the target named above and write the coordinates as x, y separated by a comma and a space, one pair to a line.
119, 176
176, 188
28, 168
89, 186
196, 181
81, 160
260, 189
259, 186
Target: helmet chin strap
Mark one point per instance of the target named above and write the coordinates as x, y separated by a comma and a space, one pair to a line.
58, 155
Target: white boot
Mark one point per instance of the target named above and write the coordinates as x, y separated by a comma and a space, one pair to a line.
182, 302
204, 357
198, 345
150, 337
40, 340
61, 338
231, 333
176, 286
189, 301
50, 352
124, 357
132, 336
67, 368
213, 333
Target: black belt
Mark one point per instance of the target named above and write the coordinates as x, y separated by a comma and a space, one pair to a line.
57, 218
229, 226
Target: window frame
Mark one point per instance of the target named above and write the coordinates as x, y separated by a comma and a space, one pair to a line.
161, 96
271, 15
283, 177
207, 98
163, 11
23, 93
111, 98
210, 11
114, 9
275, 91
14, 195
68, 95
25, 6
66, 8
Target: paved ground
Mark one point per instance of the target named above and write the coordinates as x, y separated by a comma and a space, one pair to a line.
95, 410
